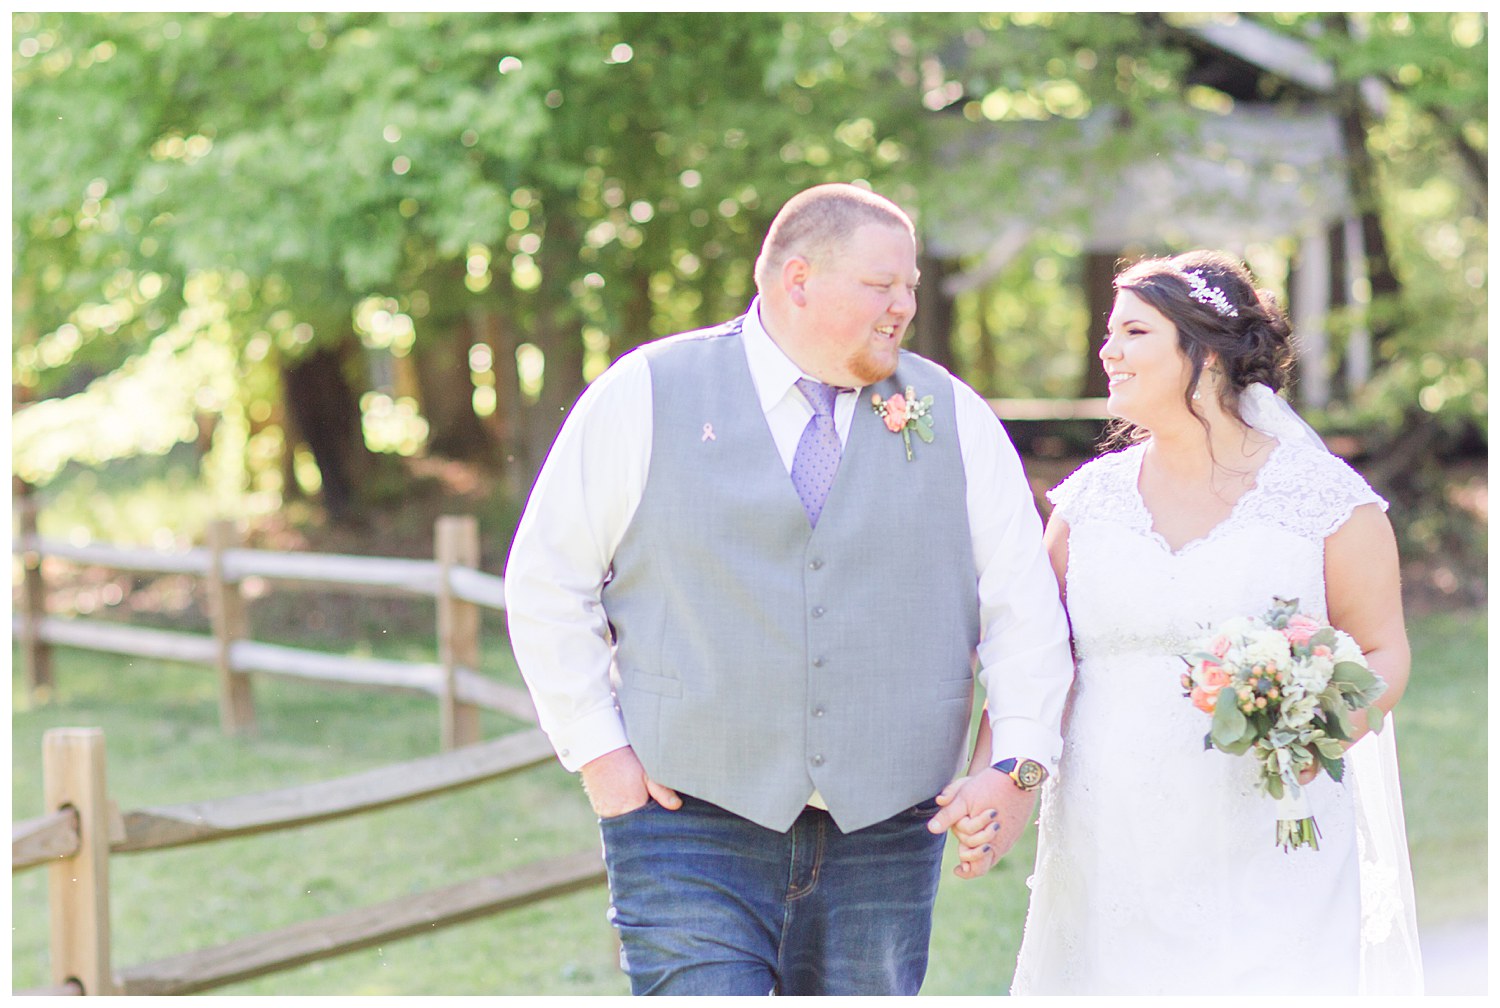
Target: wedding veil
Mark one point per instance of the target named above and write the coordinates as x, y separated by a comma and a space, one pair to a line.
1390, 956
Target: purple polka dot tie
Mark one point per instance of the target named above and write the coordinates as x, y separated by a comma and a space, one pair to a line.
817, 457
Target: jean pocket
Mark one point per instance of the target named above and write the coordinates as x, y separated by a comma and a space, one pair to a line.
618, 817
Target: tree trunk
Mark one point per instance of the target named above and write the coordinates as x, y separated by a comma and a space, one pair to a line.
557, 335
447, 390
562, 382
985, 378
637, 313
1339, 267
1363, 181
324, 410
507, 424
932, 330
1099, 298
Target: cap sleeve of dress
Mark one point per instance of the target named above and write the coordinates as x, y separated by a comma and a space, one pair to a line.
1312, 492
1094, 489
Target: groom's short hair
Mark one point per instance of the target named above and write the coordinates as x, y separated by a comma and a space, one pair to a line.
816, 220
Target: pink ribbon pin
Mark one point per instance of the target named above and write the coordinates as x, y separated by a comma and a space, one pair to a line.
708, 432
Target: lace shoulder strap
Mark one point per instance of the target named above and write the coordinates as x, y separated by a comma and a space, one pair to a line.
1309, 491
1098, 489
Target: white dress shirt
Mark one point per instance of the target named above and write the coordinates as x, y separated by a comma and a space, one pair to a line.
593, 480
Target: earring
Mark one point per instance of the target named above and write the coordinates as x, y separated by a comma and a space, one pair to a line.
1198, 392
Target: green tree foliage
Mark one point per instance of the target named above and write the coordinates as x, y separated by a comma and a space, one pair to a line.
449, 222
1431, 152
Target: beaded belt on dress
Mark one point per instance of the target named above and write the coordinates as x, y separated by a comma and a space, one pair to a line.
1114, 645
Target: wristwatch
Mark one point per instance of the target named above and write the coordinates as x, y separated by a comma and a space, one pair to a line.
1027, 773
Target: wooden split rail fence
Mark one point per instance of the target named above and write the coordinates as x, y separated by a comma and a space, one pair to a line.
83, 829
451, 579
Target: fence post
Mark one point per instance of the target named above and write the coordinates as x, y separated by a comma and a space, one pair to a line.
78, 886
226, 605
457, 541
36, 653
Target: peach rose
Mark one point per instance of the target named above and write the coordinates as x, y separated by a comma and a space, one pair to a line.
1300, 629
1221, 645
1214, 675
1204, 699
895, 413
1212, 678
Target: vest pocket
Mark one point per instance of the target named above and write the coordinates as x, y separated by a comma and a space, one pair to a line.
649, 682
956, 689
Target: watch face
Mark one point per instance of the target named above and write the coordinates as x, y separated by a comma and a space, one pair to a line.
1030, 774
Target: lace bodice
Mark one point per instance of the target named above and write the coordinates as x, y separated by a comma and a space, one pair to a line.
1300, 489
1128, 590
1155, 865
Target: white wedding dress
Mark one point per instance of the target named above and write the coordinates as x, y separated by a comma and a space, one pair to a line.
1157, 870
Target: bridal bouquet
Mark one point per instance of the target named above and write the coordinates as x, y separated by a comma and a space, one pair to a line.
1281, 687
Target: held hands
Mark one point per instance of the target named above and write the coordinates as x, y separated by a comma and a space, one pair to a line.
616, 783
987, 813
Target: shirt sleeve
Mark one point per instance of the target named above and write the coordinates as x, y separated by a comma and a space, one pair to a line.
1025, 662
577, 513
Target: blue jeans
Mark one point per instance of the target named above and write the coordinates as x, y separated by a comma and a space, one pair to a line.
706, 902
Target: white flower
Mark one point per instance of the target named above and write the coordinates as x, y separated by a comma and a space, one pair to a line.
1299, 712
1237, 628
1264, 646
1312, 674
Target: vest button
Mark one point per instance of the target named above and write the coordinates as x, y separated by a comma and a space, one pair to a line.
818, 712
819, 661
817, 761
815, 565
817, 611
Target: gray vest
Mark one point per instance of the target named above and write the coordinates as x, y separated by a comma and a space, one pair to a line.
758, 658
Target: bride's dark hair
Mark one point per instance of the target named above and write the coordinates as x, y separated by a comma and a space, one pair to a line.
1212, 299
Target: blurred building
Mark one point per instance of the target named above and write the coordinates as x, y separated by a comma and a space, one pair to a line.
1269, 153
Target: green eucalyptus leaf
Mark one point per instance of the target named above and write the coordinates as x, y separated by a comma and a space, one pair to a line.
1326, 637
1336, 714
1329, 748
1354, 675
1335, 767
1241, 745
1228, 723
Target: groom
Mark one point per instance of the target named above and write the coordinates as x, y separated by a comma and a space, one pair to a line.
746, 602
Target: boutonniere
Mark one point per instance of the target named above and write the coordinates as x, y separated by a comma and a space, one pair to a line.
906, 413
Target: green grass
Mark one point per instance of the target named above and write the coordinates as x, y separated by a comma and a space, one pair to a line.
1444, 753
1442, 729
164, 746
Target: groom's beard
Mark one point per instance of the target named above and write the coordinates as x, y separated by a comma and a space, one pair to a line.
869, 367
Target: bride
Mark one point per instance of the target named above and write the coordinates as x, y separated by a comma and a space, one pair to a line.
1156, 869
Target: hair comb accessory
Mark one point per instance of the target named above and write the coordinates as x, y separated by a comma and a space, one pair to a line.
1211, 296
